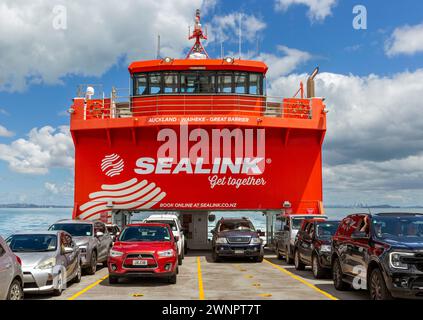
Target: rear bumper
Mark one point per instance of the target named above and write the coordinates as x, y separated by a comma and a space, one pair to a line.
239, 250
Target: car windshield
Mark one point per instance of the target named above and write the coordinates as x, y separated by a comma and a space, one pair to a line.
171, 223
325, 230
236, 225
296, 223
32, 243
145, 233
403, 228
74, 229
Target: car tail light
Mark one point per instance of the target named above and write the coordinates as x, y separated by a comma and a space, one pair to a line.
19, 260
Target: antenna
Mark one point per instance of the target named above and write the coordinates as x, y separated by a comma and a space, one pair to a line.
158, 46
197, 49
240, 35
222, 51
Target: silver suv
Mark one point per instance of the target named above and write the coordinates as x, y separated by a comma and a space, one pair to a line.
11, 278
92, 238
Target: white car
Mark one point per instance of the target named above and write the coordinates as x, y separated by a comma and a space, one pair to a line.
175, 224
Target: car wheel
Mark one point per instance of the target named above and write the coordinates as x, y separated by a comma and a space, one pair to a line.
318, 271
58, 291
172, 279
297, 261
180, 260
93, 265
259, 259
113, 279
15, 291
378, 289
215, 256
278, 254
185, 248
288, 259
78, 276
338, 277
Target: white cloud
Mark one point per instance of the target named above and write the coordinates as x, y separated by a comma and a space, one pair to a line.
5, 133
318, 10
44, 149
64, 190
99, 33
51, 187
374, 140
406, 40
280, 65
226, 28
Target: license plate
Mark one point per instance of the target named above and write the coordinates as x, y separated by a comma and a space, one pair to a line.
139, 262
239, 251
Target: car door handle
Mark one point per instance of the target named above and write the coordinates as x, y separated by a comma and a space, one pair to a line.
8, 265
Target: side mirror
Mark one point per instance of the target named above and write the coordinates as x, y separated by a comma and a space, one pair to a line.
285, 228
68, 250
360, 235
99, 234
260, 233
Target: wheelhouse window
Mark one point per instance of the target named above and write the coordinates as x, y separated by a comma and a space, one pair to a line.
170, 82
225, 83
198, 82
155, 83
241, 83
254, 83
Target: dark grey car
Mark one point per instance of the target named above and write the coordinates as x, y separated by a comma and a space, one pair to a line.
50, 259
92, 237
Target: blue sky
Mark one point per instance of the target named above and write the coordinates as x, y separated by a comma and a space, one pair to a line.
42, 67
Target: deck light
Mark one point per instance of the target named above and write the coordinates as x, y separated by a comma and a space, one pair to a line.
168, 60
229, 60
90, 92
287, 204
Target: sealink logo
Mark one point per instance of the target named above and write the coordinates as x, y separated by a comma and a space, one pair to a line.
198, 151
112, 165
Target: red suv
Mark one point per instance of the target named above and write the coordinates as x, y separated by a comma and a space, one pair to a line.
144, 250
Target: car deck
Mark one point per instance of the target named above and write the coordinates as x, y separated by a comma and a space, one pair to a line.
238, 279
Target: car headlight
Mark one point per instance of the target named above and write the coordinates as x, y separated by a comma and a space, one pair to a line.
325, 248
221, 240
46, 264
166, 253
255, 241
115, 253
395, 260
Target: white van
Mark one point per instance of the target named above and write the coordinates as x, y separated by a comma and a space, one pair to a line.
175, 224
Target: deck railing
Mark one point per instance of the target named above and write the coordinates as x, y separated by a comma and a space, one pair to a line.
122, 106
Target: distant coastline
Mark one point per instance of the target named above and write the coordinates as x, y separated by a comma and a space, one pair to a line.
30, 206
357, 206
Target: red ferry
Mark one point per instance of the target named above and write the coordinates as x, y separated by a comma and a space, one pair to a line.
197, 135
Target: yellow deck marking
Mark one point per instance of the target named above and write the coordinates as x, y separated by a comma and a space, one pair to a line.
76, 295
248, 276
265, 295
308, 284
200, 280
256, 285
137, 295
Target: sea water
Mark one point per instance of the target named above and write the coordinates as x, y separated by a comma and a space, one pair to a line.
24, 220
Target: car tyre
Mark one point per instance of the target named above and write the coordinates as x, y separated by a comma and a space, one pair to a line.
15, 291
215, 256
377, 286
278, 254
288, 259
338, 277
259, 259
78, 276
173, 279
318, 271
180, 260
58, 291
113, 279
297, 261
93, 264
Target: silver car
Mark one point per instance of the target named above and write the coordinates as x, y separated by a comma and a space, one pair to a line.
92, 237
50, 259
11, 278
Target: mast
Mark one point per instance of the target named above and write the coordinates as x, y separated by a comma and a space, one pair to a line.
198, 35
